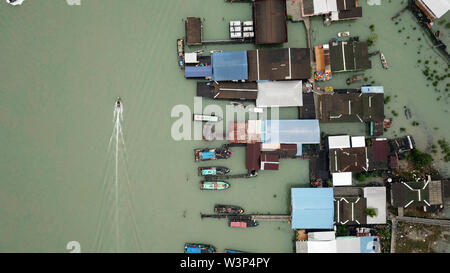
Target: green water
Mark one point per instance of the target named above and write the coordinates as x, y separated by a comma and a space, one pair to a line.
61, 69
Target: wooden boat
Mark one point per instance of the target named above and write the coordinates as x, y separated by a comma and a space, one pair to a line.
355, 78
344, 34
214, 185
180, 53
228, 209
203, 171
211, 154
198, 248
383, 61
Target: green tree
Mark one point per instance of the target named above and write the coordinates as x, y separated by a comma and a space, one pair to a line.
419, 158
370, 212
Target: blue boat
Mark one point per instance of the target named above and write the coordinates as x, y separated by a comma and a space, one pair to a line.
204, 171
233, 251
198, 248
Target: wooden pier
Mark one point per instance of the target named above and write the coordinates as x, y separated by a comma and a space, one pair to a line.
256, 217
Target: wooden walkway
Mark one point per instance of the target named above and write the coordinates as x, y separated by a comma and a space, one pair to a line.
425, 221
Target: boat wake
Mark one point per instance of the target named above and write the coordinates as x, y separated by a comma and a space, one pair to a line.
116, 203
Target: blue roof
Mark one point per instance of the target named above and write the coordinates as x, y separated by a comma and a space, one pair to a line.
197, 71
367, 244
372, 89
291, 131
229, 66
312, 208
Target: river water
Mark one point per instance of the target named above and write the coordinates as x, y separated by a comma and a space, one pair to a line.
62, 68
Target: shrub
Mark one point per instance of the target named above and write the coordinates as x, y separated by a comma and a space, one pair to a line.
420, 159
370, 212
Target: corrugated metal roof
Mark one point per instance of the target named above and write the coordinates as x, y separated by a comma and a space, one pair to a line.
291, 131
279, 94
197, 71
312, 208
229, 66
437, 7
339, 142
342, 179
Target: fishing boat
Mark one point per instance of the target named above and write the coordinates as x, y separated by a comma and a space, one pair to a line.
203, 171
240, 222
198, 248
214, 185
233, 251
344, 34
15, 2
355, 78
383, 61
211, 154
118, 103
206, 118
180, 51
228, 209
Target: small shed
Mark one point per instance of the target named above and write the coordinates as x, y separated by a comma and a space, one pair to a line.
342, 179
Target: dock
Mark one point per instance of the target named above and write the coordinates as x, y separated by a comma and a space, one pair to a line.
256, 217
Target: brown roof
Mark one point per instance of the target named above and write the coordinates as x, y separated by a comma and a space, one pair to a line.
270, 21
380, 150
274, 64
253, 154
193, 31
348, 160
270, 161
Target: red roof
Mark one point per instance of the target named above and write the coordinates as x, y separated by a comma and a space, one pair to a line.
380, 150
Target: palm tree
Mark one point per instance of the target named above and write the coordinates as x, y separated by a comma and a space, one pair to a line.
370, 212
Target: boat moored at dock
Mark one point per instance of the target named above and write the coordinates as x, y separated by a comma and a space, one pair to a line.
344, 34
241, 222
212, 154
15, 2
204, 171
355, 78
214, 185
228, 209
180, 52
198, 248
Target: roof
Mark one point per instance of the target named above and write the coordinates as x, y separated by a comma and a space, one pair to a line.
290, 131
279, 94
342, 179
351, 107
229, 66
416, 194
372, 89
348, 244
253, 154
348, 160
358, 141
337, 142
380, 149
278, 64
376, 199
270, 161
437, 7
198, 71
245, 132
193, 31
345, 244
270, 21
190, 58
349, 56
312, 208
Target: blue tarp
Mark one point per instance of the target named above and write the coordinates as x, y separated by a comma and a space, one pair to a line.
198, 71
367, 244
230, 66
208, 155
372, 89
312, 208
306, 131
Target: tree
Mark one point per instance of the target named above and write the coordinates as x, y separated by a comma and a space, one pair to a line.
370, 212
419, 158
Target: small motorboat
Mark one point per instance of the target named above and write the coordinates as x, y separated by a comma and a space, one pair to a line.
383, 61
15, 2
233, 251
344, 34
214, 185
118, 103
198, 248
206, 118
228, 209
355, 78
204, 171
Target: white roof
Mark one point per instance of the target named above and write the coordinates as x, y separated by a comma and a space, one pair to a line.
279, 94
438, 7
322, 246
342, 179
321, 236
339, 142
324, 6
190, 58
376, 198
358, 142
348, 245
